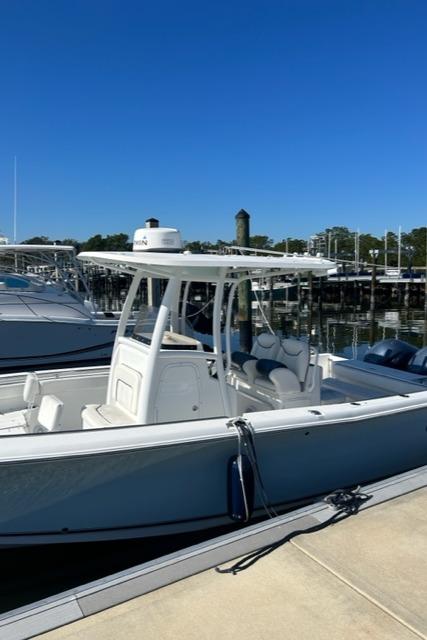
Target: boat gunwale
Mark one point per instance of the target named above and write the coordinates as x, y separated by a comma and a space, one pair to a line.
320, 421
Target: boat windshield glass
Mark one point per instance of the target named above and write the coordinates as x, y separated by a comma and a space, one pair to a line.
144, 326
17, 282
13, 282
191, 321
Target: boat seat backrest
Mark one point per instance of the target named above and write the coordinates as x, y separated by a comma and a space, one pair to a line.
266, 345
50, 413
295, 354
125, 388
32, 389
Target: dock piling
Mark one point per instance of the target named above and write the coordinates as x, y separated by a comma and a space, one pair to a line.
245, 309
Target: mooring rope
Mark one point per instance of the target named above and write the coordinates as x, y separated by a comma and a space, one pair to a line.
346, 503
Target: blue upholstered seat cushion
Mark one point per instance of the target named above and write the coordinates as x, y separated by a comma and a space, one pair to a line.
265, 366
240, 357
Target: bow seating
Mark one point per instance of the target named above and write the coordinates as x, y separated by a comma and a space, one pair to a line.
24, 420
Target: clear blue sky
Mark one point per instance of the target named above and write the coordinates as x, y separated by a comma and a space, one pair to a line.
307, 113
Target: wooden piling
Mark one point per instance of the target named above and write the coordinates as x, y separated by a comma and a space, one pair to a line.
245, 309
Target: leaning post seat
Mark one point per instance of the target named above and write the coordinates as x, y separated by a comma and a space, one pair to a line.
295, 354
289, 371
260, 368
266, 345
291, 378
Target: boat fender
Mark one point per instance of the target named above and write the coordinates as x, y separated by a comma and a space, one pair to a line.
240, 488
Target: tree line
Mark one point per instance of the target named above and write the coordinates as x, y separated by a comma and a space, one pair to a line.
339, 243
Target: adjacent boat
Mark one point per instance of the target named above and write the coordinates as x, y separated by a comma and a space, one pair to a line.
176, 436
44, 319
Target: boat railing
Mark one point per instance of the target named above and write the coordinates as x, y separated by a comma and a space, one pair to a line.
235, 249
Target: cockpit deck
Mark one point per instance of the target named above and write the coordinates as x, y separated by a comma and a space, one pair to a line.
71, 400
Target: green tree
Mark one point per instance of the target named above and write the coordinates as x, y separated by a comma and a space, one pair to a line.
260, 242
193, 245
200, 246
38, 240
94, 243
414, 244
73, 243
392, 249
292, 245
367, 242
117, 242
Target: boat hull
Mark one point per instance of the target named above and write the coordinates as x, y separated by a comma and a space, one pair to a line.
42, 344
147, 489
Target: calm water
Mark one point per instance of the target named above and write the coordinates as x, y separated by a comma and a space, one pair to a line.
31, 574
350, 334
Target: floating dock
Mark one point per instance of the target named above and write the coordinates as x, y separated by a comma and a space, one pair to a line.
363, 577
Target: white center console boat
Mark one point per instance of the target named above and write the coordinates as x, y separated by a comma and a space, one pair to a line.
155, 444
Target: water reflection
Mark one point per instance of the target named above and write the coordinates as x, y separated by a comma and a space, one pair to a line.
350, 334
332, 330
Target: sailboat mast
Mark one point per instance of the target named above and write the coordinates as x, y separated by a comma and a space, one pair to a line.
15, 199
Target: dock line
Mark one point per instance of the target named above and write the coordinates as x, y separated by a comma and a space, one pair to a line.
345, 502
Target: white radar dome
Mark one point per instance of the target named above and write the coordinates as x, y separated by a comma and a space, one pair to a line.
162, 239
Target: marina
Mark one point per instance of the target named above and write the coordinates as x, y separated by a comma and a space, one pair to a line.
231, 428
213, 320
201, 325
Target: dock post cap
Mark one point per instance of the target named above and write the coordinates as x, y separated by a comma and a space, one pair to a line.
242, 214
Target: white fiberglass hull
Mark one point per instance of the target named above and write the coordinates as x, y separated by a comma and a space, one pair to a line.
164, 479
41, 343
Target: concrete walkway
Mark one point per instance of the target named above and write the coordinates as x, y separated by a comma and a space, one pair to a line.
364, 578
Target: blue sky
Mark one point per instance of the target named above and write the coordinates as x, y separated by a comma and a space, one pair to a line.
307, 113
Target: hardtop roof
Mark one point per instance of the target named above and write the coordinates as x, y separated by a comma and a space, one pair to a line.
200, 266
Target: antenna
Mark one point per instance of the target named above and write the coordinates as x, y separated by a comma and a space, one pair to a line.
15, 198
